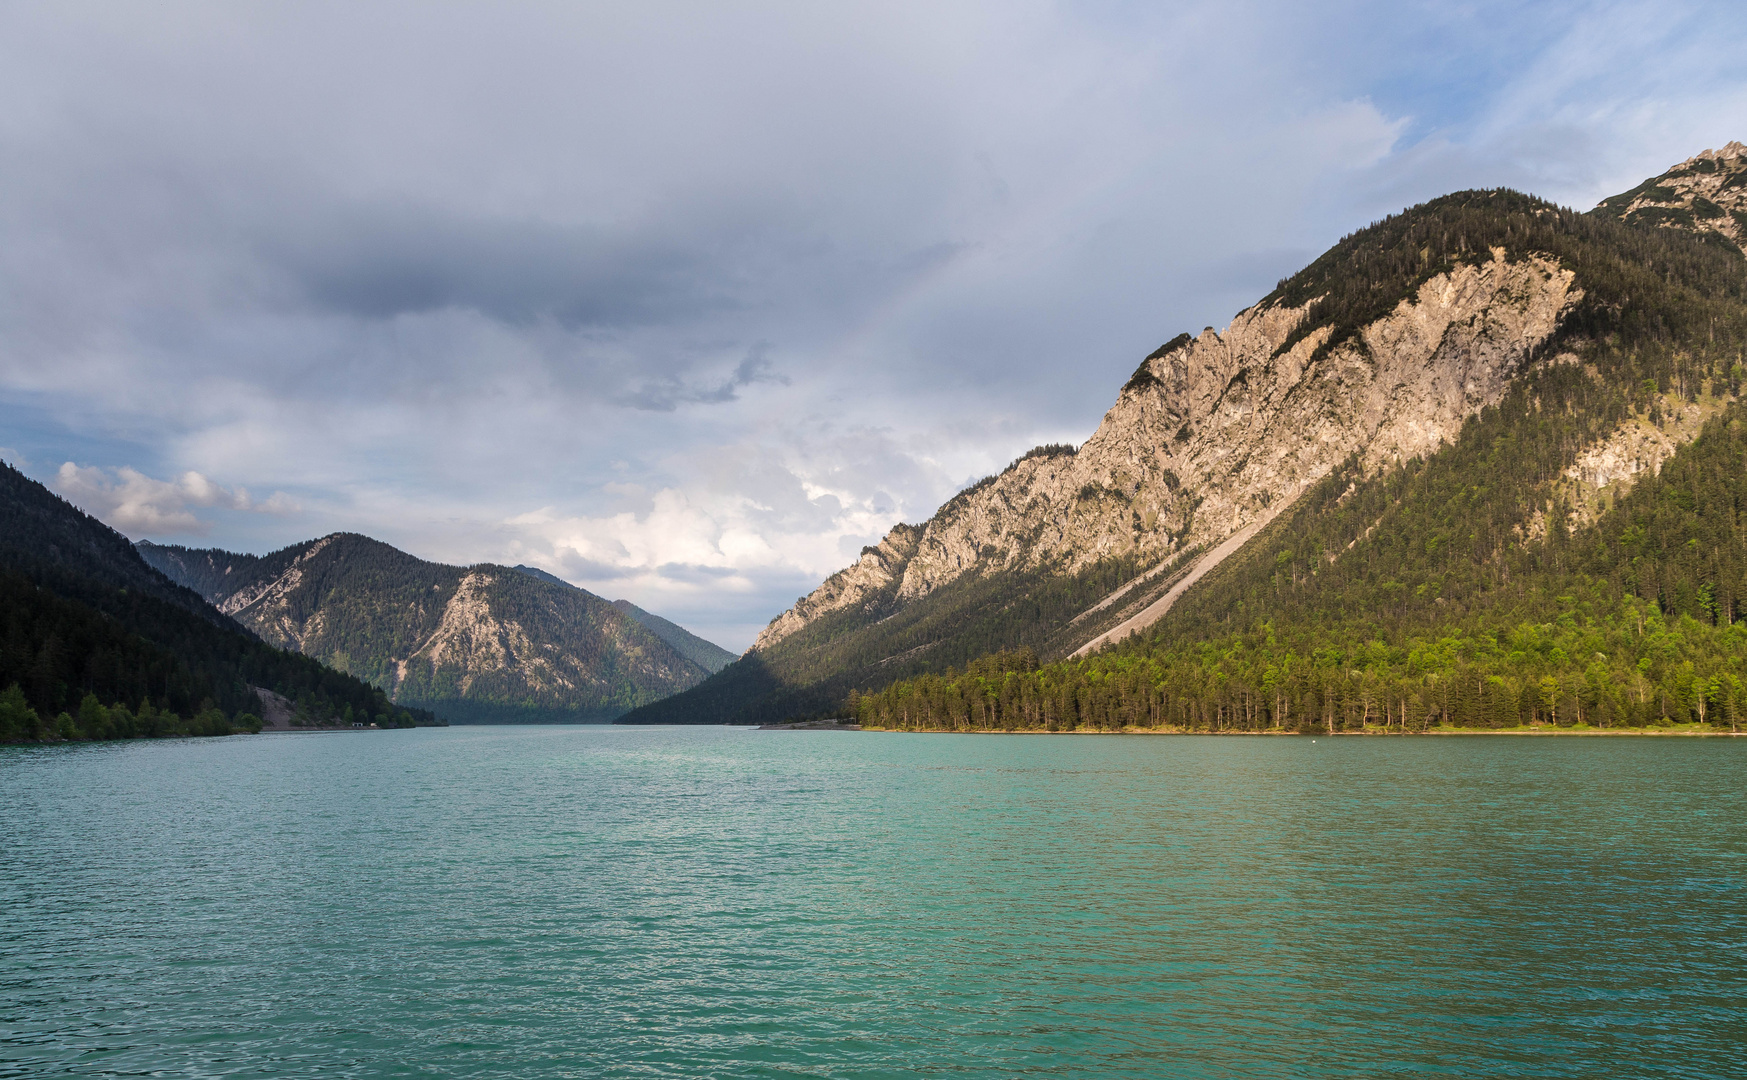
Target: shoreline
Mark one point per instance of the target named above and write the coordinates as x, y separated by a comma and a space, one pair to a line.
1683, 731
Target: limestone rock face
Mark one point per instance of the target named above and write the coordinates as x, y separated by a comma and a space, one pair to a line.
1634, 447
499, 633
472, 640
1704, 193
1608, 468
1212, 434
869, 575
271, 598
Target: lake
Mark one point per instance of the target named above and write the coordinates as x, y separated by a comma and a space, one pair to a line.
708, 902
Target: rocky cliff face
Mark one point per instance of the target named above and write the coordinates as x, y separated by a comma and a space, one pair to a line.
1704, 193
477, 643
1217, 432
873, 573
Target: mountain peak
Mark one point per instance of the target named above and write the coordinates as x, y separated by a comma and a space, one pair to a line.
1730, 150
1705, 193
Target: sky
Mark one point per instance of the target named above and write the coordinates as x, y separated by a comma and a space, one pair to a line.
687, 303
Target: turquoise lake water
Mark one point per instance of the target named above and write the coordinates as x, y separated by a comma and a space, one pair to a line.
623, 902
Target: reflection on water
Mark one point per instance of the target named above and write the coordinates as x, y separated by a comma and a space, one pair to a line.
526, 902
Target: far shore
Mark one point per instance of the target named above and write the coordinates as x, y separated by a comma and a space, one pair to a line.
1680, 730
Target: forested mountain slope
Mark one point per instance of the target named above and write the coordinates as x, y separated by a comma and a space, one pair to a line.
479, 644
208, 571
1478, 316
89, 630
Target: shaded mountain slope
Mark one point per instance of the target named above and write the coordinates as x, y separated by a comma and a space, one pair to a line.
706, 654
1385, 350
482, 644
207, 571
82, 614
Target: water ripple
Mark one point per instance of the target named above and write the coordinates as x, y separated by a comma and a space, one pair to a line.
531, 902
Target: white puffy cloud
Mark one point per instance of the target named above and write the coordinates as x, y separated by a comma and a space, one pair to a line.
761, 525
134, 503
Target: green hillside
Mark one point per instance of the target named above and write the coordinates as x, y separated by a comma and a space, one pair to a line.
705, 654
207, 571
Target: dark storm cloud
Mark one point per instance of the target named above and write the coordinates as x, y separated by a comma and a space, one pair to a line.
381, 261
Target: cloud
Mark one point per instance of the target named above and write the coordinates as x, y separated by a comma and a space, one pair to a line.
137, 504
725, 556
672, 392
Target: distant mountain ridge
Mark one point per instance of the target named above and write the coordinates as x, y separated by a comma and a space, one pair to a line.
206, 571
1382, 352
480, 644
706, 654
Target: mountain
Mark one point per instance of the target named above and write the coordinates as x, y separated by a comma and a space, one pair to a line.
1421, 601
706, 654
550, 579
1704, 193
209, 571
1595, 344
89, 630
480, 644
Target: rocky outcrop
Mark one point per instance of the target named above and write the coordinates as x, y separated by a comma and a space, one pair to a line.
1634, 447
484, 640
268, 600
1608, 468
470, 639
1217, 432
1705, 193
876, 572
